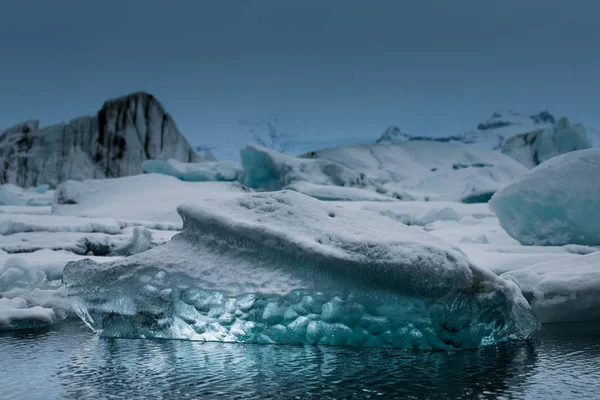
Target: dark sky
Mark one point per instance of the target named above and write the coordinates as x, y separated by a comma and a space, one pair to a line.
337, 67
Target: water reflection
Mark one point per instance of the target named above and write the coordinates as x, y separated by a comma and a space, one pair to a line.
176, 369
69, 362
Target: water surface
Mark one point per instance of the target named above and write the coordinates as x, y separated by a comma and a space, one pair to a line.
68, 361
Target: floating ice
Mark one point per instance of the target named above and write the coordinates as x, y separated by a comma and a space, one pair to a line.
31, 290
195, 172
565, 290
285, 268
413, 170
556, 203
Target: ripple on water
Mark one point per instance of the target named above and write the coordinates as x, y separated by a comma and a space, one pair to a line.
563, 361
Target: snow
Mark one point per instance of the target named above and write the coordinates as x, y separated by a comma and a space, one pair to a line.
533, 148
564, 290
555, 203
413, 170
286, 268
150, 200
195, 172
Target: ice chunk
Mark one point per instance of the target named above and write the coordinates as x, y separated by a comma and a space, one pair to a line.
31, 290
12, 195
556, 203
128, 198
413, 170
140, 241
15, 314
285, 268
565, 290
195, 172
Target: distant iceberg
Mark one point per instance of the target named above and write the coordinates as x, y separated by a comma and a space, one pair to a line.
285, 268
411, 170
556, 203
533, 148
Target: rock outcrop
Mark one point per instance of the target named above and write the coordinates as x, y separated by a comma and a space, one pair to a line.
115, 142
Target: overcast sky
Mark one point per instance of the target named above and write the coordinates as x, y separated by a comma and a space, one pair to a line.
337, 67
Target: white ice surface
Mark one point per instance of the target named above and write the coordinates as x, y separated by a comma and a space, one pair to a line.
562, 290
149, 199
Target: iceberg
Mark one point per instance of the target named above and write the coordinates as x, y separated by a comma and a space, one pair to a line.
565, 290
411, 170
227, 171
535, 147
556, 203
285, 268
111, 143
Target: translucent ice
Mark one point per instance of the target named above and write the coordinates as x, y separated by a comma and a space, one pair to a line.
556, 203
285, 268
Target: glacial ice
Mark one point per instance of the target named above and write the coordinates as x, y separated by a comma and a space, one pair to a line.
285, 268
535, 147
564, 290
206, 171
412, 170
556, 203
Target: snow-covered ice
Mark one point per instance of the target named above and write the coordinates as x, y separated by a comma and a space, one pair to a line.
413, 170
422, 212
206, 171
286, 268
31, 290
16, 223
150, 199
556, 203
563, 290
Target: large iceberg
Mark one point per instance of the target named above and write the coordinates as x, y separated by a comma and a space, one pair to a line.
286, 268
412, 170
195, 172
556, 203
114, 142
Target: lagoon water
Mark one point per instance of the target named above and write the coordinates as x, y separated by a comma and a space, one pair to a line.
68, 361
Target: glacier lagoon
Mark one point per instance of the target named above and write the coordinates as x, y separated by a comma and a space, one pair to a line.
68, 361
